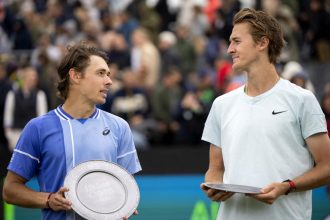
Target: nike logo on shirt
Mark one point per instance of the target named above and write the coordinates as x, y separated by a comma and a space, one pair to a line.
275, 113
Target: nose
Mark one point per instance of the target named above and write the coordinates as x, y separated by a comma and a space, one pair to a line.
230, 49
108, 81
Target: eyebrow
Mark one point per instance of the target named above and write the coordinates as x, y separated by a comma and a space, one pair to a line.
102, 70
234, 38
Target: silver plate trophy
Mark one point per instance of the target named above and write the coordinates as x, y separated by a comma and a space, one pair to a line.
102, 190
233, 188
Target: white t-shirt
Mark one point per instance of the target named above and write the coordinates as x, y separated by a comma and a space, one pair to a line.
263, 141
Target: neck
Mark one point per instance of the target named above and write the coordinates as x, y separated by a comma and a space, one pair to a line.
78, 110
261, 80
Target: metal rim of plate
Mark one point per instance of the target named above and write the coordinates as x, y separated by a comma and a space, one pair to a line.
234, 188
102, 190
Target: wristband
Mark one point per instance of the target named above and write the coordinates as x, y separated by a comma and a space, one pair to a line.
292, 188
47, 202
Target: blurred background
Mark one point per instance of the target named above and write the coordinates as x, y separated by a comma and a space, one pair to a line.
168, 64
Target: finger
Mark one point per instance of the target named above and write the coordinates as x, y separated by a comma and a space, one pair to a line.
136, 212
266, 198
217, 196
267, 189
222, 196
204, 187
212, 192
63, 206
61, 200
62, 190
227, 196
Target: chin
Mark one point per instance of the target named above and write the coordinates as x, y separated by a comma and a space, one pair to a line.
238, 68
101, 102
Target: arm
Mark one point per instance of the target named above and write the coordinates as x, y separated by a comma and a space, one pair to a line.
216, 166
215, 174
319, 145
16, 192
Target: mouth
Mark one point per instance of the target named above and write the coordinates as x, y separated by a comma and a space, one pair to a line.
104, 93
235, 59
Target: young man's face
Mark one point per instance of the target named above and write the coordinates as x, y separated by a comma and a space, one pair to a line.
95, 83
242, 48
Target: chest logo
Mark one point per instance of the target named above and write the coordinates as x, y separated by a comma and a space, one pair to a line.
275, 113
106, 132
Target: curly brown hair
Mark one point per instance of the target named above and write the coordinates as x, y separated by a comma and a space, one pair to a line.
78, 58
263, 25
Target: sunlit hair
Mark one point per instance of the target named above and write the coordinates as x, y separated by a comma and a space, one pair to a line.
263, 25
78, 58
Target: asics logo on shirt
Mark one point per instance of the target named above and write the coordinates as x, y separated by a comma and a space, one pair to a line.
275, 113
106, 131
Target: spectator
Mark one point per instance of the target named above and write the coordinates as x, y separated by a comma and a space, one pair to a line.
165, 101
169, 56
325, 104
186, 51
5, 87
292, 69
23, 104
145, 59
131, 103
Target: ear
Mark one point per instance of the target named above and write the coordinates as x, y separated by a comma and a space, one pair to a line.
74, 76
263, 43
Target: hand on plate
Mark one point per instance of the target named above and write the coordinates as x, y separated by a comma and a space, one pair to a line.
135, 213
58, 202
216, 195
271, 192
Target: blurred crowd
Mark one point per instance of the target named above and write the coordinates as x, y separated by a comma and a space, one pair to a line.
168, 58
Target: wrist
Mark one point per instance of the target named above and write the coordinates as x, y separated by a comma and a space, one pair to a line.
48, 201
292, 186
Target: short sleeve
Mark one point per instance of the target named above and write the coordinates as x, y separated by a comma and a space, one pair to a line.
127, 154
26, 155
212, 131
312, 119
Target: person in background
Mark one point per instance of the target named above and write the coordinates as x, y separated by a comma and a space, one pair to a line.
131, 103
295, 72
22, 104
325, 104
164, 102
145, 59
5, 87
75, 132
269, 133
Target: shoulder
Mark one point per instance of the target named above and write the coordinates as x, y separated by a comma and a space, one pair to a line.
45, 120
113, 119
228, 97
295, 92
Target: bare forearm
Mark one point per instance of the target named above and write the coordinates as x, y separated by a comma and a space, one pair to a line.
216, 166
316, 177
319, 175
213, 175
20, 195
